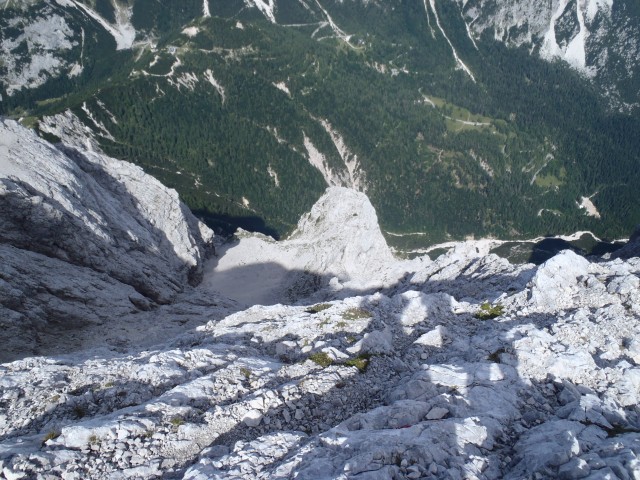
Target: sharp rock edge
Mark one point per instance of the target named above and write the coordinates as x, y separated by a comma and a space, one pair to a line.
461, 367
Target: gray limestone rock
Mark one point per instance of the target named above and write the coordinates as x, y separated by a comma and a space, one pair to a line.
84, 238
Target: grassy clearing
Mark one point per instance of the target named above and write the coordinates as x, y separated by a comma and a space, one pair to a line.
548, 181
458, 113
49, 101
454, 125
551, 181
458, 119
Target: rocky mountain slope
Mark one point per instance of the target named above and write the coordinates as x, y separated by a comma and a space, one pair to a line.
462, 367
598, 38
432, 108
117, 241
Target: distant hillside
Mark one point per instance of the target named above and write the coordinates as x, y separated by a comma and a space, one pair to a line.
480, 118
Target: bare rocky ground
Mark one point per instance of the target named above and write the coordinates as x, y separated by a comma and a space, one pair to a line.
354, 365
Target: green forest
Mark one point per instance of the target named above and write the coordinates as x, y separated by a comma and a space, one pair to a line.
507, 155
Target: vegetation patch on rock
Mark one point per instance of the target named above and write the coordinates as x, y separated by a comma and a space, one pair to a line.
488, 311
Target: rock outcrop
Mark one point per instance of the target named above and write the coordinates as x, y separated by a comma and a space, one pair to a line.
337, 247
84, 238
631, 248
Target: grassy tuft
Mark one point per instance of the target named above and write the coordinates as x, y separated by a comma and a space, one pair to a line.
321, 358
361, 362
356, 314
488, 311
177, 421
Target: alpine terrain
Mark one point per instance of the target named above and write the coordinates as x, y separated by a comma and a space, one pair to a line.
335, 298
134, 350
458, 118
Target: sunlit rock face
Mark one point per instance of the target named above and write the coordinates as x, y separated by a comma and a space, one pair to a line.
338, 246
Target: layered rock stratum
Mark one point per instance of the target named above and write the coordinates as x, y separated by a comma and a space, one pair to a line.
349, 364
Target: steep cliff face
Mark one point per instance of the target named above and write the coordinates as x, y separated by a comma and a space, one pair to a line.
85, 237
